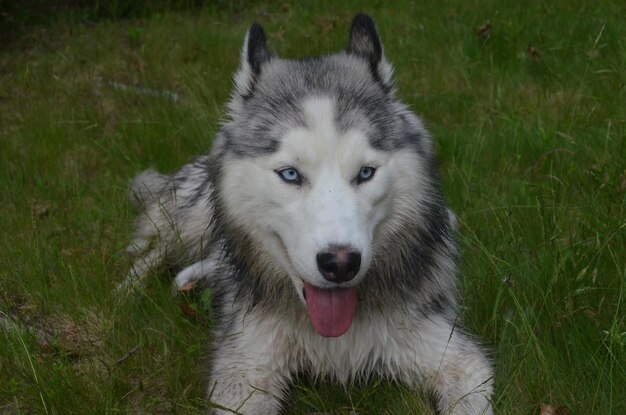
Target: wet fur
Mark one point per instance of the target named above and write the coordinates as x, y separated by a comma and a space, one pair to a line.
405, 327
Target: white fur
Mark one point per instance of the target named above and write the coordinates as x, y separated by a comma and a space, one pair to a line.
203, 269
294, 223
258, 348
398, 345
162, 232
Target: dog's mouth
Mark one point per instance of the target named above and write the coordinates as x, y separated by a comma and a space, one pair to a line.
331, 309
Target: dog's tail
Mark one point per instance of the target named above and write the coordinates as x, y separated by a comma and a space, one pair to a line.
147, 187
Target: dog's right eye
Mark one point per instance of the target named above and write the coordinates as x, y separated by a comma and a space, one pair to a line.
290, 175
366, 174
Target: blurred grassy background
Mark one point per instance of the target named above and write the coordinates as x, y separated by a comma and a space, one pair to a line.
526, 102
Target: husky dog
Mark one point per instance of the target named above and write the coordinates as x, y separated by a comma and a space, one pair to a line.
319, 223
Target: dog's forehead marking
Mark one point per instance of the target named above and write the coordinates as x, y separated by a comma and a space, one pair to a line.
321, 142
320, 116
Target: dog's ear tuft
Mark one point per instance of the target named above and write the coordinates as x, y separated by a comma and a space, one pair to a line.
364, 39
365, 43
253, 55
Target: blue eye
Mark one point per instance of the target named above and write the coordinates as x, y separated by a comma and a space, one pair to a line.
290, 175
365, 174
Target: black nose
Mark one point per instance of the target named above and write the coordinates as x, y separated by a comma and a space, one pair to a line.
340, 265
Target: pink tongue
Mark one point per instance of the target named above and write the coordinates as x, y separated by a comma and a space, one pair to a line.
331, 310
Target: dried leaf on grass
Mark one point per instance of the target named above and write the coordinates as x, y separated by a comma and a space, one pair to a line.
189, 311
484, 31
325, 24
40, 208
532, 53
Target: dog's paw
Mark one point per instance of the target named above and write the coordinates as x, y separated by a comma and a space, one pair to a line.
193, 275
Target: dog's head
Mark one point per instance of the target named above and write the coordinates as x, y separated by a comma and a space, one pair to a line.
319, 168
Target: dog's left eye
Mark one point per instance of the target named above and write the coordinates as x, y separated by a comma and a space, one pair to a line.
366, 173
290, 175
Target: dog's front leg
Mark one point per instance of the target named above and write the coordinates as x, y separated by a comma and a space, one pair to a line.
250, 368
453, 366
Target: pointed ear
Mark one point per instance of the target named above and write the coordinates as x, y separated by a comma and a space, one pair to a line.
365, 43
255, 49
253, 55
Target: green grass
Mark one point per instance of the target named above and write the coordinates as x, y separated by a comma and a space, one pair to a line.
532, 151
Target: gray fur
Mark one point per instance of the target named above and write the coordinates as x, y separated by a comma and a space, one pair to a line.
405, 327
